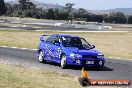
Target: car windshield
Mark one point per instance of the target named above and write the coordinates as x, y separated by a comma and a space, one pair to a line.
80, 43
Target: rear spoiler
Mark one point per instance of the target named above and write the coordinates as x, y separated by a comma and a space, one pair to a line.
42, 37
45, 35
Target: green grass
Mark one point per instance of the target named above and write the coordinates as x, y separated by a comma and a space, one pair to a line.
24, 77
111, 44
16, 76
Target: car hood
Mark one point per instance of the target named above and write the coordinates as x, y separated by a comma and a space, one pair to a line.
84, 51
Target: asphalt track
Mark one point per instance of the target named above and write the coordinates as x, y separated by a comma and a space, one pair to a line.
114, 69
45, 27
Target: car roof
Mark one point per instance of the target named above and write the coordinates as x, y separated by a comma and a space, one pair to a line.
64, 35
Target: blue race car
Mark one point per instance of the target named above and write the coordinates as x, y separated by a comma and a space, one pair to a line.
68, 50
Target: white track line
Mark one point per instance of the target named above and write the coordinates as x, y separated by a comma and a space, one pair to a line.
18, 48
97, 31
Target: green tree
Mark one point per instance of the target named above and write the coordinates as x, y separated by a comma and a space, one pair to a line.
2, 7
69, 10
117, 17
9, 10
63, 15
25, 8
82, 12
28, 9
23, 4
57, 14
50, 14
69, 7
130, 20
18, 13
105, 18
40, 13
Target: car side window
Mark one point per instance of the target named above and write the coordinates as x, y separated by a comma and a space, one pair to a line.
50, 39
56, 40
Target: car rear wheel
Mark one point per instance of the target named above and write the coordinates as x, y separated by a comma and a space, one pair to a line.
63, 61
41, 57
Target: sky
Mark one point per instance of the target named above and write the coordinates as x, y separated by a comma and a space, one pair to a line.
92, 4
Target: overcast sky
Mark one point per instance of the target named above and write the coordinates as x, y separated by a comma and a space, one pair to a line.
92, 4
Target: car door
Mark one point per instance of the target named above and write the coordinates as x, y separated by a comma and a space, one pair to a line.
48, 47
56, 50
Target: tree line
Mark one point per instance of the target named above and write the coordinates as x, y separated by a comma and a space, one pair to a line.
25, 8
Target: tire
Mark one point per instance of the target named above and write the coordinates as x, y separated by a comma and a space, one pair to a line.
84, 82
63, 61
41, 57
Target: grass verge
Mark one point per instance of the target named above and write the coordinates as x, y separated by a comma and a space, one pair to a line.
17, 76
117, 44
24, 77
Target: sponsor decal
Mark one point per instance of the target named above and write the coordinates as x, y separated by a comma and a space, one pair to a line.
84, 80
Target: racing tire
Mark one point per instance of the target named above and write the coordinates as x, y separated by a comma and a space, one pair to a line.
41, 57
63, 62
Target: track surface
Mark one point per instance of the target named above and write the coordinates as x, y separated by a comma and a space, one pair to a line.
114, 69
44, 27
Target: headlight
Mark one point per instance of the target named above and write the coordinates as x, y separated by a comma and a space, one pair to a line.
75, 55
100, 57
72, 55
78, 55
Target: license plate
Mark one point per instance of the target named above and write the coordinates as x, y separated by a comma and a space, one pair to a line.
89, 62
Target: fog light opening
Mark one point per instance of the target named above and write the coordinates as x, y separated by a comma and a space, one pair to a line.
100, 62
78, 61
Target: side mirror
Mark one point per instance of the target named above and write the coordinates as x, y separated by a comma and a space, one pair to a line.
57, 43
93, 46
42, 39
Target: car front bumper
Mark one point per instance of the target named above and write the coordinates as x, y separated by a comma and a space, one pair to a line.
86, 62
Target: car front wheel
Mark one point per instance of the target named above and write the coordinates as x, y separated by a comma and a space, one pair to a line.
63, 61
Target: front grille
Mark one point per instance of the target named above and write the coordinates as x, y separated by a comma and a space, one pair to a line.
88, 56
